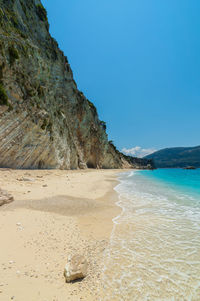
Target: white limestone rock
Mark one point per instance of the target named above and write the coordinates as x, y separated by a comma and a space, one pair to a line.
24, 179
5, 197
76, 268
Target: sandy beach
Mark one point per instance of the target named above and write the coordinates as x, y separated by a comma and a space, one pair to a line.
55, 213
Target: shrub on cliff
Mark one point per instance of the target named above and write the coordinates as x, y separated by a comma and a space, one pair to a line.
13, 53
92, 106
3, 96
103, 124
44, 124
41, 12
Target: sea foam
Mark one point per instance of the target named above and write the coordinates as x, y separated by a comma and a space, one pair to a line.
154, 251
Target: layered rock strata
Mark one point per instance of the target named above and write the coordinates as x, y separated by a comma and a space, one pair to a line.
45, 121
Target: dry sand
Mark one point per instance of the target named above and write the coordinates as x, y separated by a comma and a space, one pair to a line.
55, 213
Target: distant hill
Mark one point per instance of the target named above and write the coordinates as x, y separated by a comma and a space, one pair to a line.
176, 157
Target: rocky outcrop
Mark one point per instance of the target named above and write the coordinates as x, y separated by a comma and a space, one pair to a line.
5, 197
76, 268
45, 121
140, 163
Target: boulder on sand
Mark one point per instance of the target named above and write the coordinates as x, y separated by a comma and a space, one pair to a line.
5, 197
76, 268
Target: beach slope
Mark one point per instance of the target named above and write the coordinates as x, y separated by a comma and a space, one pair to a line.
55, 213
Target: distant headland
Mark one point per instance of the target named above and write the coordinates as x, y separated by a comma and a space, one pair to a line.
177, 157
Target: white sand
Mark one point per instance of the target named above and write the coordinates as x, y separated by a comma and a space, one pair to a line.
56, 214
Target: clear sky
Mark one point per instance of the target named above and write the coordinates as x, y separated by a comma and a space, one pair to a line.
138, 61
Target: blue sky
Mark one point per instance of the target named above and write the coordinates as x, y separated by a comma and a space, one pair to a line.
138, 61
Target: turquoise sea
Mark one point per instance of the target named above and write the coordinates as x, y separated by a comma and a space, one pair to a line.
154, 251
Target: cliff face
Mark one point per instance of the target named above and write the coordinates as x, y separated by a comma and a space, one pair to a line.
45, 121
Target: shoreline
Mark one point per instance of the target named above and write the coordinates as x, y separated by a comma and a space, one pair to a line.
55, 213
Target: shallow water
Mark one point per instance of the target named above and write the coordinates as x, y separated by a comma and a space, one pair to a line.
154, 252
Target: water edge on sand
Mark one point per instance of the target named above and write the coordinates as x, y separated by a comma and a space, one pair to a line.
154, 251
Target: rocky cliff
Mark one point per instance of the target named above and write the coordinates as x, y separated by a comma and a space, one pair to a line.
45, 121
140, 163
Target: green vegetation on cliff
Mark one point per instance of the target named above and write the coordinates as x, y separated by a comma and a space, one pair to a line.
3, 96
13, 53
42, 13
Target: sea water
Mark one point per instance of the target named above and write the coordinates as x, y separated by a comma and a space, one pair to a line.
154, 252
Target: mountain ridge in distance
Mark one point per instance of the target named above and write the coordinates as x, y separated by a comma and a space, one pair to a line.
176, 157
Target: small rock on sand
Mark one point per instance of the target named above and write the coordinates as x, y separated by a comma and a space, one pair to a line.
76, 268
5, 197
26, 179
